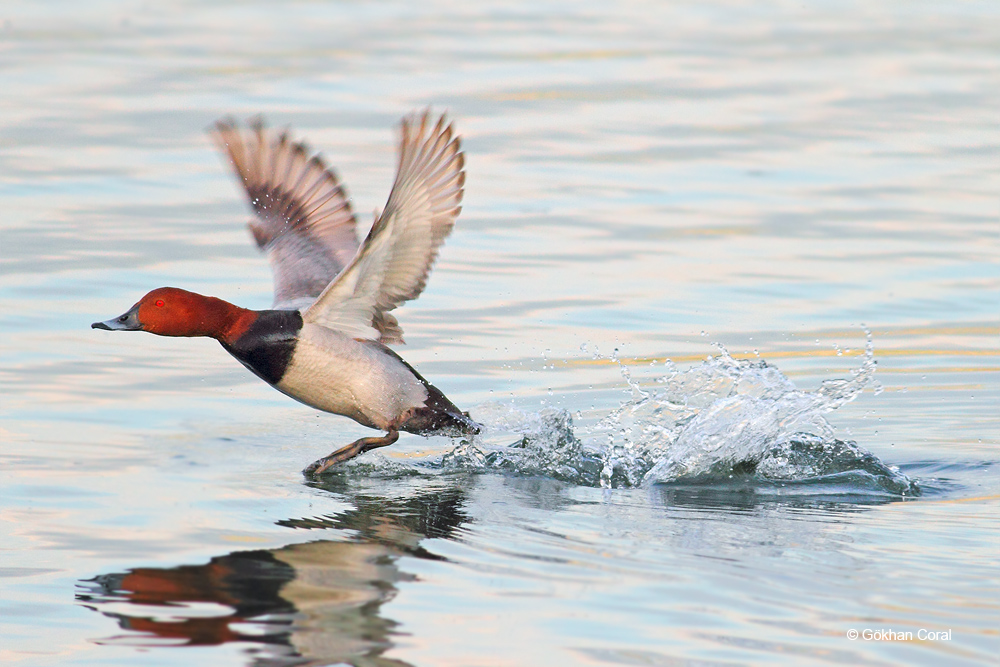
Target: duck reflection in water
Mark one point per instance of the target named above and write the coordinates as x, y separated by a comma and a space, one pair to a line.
302, 604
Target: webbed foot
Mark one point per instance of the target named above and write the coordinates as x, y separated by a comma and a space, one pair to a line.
357, 447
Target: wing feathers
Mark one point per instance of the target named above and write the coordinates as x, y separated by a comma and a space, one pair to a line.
303, 219
396, 257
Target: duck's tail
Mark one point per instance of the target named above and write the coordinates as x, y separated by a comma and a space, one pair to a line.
439, 416
428, 421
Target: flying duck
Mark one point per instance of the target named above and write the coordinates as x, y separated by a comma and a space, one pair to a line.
324, 340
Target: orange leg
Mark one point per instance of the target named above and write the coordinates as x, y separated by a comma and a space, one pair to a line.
350, 451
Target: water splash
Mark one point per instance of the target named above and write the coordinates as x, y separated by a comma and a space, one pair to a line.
725, 419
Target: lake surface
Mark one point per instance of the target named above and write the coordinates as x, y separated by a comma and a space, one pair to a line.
725, 291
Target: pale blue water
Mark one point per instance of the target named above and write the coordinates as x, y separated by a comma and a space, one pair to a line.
646, 183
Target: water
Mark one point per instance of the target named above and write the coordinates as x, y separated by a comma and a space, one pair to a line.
724, 292
738, 423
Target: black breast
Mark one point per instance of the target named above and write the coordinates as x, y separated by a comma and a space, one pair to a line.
266, 347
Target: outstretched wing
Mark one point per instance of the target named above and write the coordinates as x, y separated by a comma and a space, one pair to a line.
303, 220
397, 255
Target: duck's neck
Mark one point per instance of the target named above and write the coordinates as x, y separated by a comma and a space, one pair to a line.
221, 320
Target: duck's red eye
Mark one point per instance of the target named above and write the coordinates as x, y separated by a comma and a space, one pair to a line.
159, 303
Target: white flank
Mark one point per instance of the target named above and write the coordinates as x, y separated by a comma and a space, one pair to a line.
333, 372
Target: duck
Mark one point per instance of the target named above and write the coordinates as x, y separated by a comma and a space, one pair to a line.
325, 340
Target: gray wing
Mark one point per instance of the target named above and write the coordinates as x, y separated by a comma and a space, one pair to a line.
397, 255
303, 219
